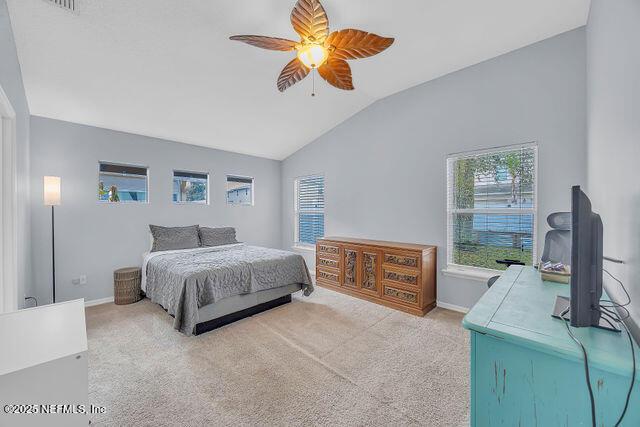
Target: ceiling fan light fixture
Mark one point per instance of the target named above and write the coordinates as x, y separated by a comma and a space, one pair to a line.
313, 55
318, 48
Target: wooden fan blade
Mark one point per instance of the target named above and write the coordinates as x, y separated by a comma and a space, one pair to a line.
291, 74
310, 20
271, 43
337, 72
354, 44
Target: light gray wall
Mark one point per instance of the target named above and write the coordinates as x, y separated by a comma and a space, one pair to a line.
613, 69
11, 83
94, 238
385, 171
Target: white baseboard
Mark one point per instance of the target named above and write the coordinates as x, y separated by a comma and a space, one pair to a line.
93, 302
452, 307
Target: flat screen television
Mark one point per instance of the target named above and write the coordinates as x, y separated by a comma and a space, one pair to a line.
586, 266
586, 261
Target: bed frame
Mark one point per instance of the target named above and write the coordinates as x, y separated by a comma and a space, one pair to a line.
212, 324
232, 309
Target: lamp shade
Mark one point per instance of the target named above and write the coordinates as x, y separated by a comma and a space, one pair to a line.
51, 190
313, 55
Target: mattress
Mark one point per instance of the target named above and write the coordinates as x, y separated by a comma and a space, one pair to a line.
185, 281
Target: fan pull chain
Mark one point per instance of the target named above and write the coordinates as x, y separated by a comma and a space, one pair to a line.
313, 79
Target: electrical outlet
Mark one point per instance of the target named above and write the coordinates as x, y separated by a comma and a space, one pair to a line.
80, 280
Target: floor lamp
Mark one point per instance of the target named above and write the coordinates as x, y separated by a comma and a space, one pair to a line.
52, 198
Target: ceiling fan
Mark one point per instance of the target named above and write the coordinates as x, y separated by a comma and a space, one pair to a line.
317, 49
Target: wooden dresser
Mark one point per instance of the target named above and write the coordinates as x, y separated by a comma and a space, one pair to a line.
397, 275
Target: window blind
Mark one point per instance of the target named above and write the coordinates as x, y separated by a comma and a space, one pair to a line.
191, 175
491, 207
309, 209
122, 169
239, 179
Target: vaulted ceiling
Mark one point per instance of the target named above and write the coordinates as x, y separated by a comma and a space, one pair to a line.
166, 68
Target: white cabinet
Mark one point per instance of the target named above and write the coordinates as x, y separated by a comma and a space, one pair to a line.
43, 366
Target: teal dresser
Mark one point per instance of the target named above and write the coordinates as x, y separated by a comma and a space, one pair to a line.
526, 370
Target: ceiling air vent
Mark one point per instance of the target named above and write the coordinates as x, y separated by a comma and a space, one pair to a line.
65, 4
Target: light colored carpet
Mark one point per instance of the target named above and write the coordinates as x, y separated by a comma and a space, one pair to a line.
326, 360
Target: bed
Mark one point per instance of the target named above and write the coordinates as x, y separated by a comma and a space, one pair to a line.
207, 287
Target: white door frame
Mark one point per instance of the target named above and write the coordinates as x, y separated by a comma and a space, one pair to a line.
8, 208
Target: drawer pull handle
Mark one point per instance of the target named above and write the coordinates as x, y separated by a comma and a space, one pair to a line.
329, 249
328, 276
405, 261
402, 295
400, 277
328, 262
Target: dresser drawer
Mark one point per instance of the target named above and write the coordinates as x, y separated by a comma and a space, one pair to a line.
327, 249
402, 276
328, 276
397, 294
408, 260
324, 261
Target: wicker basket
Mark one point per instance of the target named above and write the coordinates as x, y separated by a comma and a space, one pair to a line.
126, 285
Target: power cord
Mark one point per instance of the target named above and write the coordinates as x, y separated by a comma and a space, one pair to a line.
616, 304
615, 317
586, 365
633, 376
609, 316
34, 299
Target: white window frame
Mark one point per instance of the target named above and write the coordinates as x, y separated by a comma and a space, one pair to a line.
480, 273
253, 190
8, 207
127, 202
296, 211
173, 176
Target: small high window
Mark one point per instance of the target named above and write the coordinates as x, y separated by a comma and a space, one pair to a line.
239, 190
118, 183
190, 187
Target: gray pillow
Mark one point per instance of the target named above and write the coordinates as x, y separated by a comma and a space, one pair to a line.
170, 238
217, 236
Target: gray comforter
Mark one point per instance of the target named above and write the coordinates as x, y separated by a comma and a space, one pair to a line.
184, 281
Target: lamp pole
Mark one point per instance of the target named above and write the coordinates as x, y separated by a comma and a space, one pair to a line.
51, 193
53, 252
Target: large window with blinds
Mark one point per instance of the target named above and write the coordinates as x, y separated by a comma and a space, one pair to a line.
491, 207
309, 209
